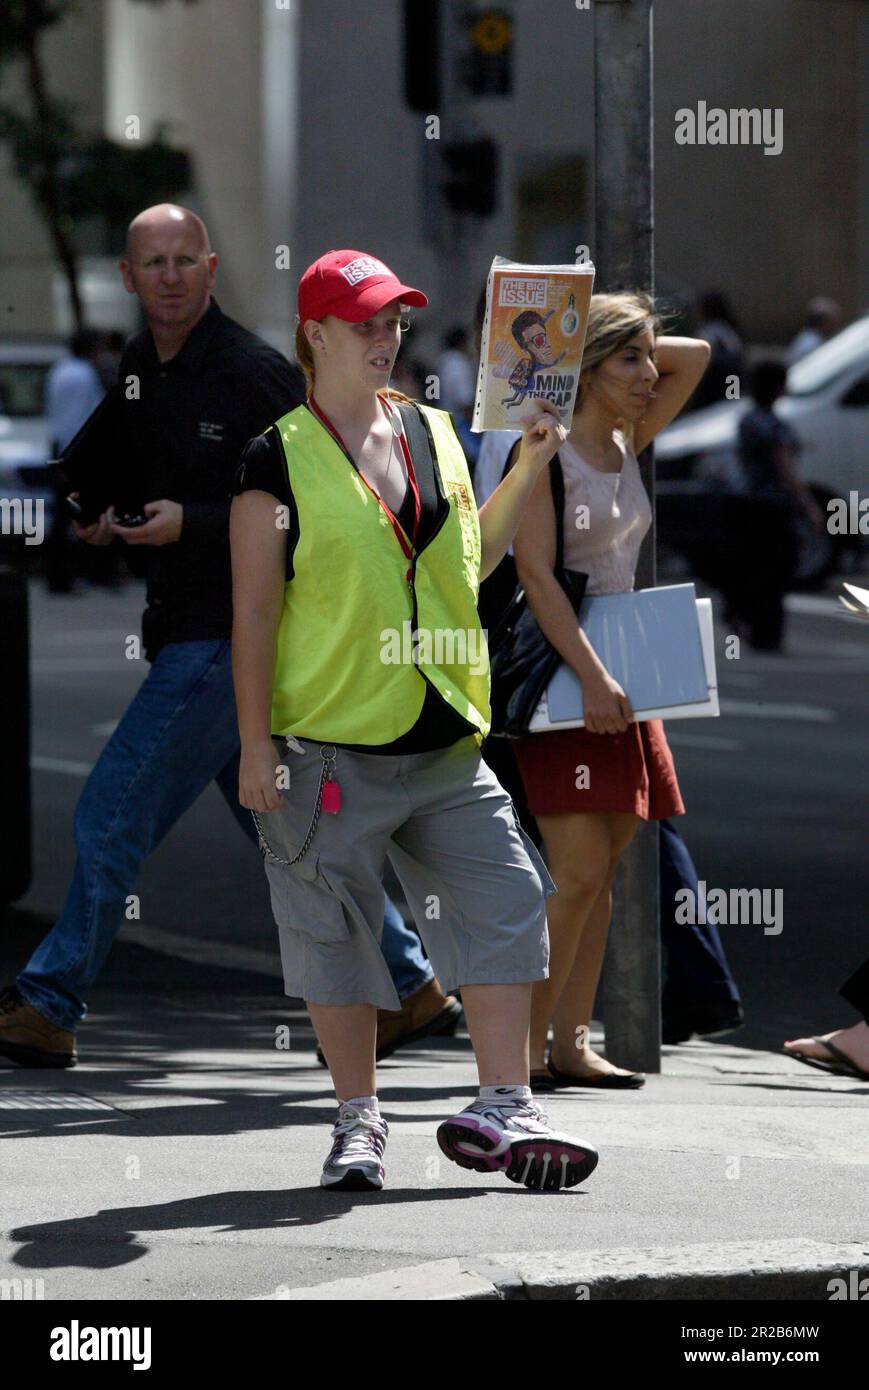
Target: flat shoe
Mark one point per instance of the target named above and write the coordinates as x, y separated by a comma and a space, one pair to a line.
541, 1083
842, 1066
609, 1081
708, 1021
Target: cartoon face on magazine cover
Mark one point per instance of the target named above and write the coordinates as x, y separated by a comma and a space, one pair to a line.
533, 347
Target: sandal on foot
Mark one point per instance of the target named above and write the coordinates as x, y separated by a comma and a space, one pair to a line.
840, 1066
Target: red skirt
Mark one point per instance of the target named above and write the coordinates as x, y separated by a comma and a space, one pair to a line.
632, 771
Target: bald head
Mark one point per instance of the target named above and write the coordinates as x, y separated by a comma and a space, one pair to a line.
165, 219
168, 262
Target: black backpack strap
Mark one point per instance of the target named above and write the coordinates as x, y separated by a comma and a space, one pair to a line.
418, 434
556, 482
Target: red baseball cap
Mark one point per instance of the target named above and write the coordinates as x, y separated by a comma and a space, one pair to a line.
353, 286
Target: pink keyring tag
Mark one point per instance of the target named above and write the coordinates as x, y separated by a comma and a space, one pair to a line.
331, 797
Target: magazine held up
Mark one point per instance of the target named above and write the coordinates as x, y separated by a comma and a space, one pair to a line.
532, 342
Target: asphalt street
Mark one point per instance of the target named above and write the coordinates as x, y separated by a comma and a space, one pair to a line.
776, 793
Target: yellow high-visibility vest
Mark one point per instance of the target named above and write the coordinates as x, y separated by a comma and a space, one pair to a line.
355, 634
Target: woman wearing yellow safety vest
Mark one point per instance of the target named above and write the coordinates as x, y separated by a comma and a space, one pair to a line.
362, 686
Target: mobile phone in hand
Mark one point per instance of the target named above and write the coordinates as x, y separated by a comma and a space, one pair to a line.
81, 515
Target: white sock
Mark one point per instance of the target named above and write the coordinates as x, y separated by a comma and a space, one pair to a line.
505, 1095
363, 1103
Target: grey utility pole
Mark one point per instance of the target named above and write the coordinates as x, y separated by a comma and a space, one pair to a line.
624, 259
456, 291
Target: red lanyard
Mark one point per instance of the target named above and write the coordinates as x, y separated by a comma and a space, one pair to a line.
411, 478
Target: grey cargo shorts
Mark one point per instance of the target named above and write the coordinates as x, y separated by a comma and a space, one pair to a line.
473, 880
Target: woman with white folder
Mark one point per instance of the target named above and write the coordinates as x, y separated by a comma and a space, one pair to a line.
590, 788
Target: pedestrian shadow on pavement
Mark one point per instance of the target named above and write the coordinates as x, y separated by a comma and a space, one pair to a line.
112, 1237
805, 1089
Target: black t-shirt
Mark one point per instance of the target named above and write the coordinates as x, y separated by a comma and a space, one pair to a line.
263, 468
183, 431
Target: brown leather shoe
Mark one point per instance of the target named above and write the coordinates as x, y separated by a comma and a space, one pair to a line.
428, 1011
31, 1040
425, 1013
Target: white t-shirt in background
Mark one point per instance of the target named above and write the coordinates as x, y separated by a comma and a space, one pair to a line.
457, 381
492, 460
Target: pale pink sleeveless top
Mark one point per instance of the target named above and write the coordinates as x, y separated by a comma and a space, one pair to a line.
606, 516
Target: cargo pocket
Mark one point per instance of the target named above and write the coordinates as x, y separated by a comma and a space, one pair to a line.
303, 901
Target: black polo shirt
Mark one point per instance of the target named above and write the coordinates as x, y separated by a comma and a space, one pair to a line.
184, 435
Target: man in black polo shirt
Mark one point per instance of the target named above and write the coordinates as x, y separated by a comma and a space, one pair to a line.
197, 386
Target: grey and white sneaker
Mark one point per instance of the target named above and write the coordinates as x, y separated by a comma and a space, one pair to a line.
355, 1163
516, 1139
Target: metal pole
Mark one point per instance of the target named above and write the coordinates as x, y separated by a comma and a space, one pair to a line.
624, 259
456, 292
279, 108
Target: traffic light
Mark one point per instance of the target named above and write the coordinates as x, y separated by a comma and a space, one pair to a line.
422, 55
472, 176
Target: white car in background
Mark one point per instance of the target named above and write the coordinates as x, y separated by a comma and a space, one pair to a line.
827, 407
25, 447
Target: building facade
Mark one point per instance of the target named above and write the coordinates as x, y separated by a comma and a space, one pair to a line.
294, 115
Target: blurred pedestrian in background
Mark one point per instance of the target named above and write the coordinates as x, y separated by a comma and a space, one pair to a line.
700, 995
456, 374
824, 318
110, 357
73, 390
781, 502
457, 379
634, 382
719, 328
843, 1051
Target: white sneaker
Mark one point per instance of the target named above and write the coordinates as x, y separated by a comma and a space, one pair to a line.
516, 1138
355, 1163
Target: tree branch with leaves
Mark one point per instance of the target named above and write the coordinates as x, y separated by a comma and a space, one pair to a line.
69, 173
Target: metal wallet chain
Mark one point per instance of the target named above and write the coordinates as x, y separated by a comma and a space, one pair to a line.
328, 754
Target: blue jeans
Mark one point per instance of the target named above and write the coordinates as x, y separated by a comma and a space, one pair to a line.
178, 734
697, 971
403, 952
